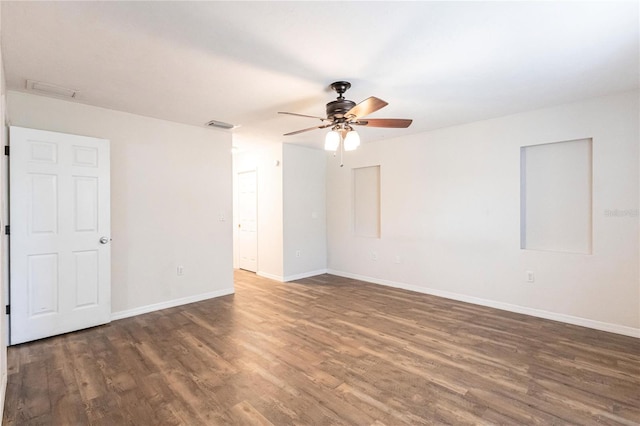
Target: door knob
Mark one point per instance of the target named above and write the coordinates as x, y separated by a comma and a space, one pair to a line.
104, 240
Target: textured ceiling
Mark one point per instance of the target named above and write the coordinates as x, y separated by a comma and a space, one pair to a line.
440, 63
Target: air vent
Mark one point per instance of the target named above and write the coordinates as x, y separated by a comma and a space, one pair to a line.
219, 124
51, 89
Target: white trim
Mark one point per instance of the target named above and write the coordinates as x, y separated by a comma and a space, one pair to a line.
270, 276
170, 304
584, 322
304, 275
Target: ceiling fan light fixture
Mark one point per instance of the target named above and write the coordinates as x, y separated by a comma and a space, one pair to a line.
332, 141
351, 141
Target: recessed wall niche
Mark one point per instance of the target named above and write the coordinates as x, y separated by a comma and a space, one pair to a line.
556, 196
366, 201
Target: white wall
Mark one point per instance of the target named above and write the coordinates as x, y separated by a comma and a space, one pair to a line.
304, 212
268, 166
170, 183
450, 216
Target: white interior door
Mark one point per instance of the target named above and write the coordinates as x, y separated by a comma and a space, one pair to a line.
247, 221
60, 233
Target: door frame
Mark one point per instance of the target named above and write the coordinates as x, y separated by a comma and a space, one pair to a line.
4, 221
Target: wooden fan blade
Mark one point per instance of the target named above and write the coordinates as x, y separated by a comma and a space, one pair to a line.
366, 107
310, 128
397, 123
302, 115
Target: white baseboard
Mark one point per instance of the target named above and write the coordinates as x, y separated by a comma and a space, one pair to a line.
304, 275
282, 279
170, 304
584, 322
270, 276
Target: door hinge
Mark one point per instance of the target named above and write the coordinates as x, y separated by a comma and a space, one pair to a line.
7, 309
7, 230
6, 150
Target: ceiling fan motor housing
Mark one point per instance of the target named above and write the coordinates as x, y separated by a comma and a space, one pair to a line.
338, 108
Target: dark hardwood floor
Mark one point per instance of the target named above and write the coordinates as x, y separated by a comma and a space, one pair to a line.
326, 351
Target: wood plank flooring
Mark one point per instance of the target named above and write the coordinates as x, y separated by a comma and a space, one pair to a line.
326, 351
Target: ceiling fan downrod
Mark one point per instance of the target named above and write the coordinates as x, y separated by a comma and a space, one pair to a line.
338, 108
340, 87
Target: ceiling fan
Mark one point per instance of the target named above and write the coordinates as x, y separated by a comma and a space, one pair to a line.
343, 114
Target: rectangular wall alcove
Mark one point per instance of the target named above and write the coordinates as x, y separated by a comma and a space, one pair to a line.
556, 196
366, 201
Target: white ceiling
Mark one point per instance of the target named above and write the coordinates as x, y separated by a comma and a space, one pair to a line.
440, 63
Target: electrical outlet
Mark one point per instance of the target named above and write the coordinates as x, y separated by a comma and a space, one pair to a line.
180, 270
298, 253
398, 259
374, 256
529, 276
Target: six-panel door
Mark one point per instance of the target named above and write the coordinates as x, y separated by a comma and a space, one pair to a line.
59, 211
247, 221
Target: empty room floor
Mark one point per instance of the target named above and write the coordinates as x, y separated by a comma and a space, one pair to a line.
326, 351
